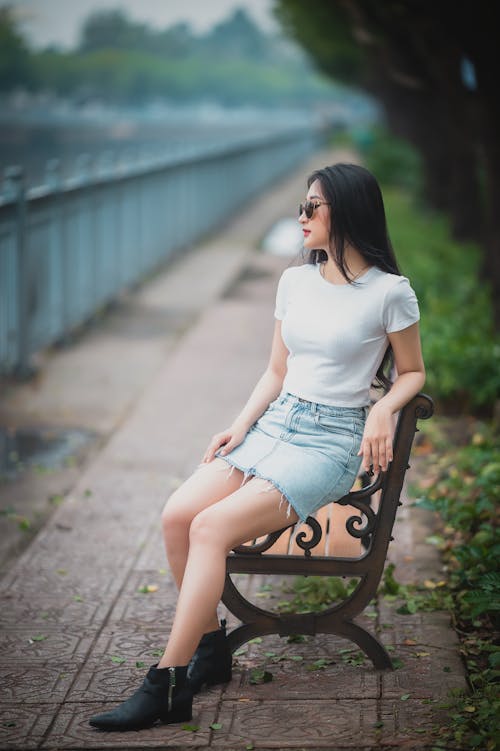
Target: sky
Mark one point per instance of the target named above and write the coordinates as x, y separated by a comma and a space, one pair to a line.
57, 21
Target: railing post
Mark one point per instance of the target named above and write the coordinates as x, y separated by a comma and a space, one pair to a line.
57, 268
15, 188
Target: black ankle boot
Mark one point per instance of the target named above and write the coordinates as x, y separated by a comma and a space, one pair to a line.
164, 695
211, 663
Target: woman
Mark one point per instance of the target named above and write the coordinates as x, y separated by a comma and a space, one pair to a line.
300, 439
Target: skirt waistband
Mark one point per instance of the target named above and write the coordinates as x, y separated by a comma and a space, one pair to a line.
324, 408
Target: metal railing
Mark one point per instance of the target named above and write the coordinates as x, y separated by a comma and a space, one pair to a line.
69, 247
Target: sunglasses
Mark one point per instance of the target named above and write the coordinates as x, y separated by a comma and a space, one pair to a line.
309, 207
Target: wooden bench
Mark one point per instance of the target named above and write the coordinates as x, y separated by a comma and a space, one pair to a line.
307, 552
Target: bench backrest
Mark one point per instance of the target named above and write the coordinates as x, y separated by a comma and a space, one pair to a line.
374, 526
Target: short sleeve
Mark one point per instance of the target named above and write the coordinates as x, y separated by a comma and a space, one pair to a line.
400, 306
281, 297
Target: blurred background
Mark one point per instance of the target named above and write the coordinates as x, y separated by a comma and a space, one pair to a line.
85, 78
92, 91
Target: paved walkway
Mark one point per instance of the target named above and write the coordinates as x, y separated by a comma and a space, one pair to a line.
78, 628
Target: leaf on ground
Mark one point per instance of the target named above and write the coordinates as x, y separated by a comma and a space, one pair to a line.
260, 676
140, 664
39, 637
404, 697
190, 728
147, 588
296, 638
318, 664
216, 726
56, 500
409, 642
118, 660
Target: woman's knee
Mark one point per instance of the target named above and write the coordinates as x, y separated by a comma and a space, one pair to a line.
206, 528
176, 514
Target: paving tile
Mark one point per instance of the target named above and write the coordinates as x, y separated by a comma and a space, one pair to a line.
327, 723
137, 579
143, 611
139, 609
426, 673
23, 728
152, 556
34, 683
293, 680
410, 724
42, 582
26, 644
132, 644
49, 611
291, 665
72, 731
102, 680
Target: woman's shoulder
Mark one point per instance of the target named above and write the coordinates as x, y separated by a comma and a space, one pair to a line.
303, 268
387, 280
292, 273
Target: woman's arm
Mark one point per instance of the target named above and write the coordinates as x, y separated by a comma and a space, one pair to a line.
376, 446
267, 389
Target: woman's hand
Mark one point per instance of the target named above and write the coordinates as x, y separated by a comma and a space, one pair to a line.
229, 438
376, 446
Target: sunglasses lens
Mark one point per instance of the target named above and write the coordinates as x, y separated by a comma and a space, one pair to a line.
306, 208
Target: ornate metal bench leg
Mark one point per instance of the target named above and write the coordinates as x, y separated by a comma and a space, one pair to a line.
367, 642
256, 622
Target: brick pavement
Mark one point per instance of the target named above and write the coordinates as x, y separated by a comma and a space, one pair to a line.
75, 622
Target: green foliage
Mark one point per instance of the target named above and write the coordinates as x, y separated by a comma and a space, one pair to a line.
415, 597
392, 160
16, 68
460, 345
327, 35
465, 492
121, 61
316, 593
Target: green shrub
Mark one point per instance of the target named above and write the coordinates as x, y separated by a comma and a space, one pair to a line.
392, 160
466, 494
461, 349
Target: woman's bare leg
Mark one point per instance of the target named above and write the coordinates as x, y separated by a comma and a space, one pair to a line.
252, 510
207, 485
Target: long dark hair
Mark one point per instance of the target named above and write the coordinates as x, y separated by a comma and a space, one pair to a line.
357, 217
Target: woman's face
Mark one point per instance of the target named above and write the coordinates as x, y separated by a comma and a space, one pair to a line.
316, 229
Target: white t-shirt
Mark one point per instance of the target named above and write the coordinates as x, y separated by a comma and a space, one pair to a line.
337, 333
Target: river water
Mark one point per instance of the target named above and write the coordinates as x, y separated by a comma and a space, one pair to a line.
31, 141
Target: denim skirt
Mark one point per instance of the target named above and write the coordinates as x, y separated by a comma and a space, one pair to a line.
307, 451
